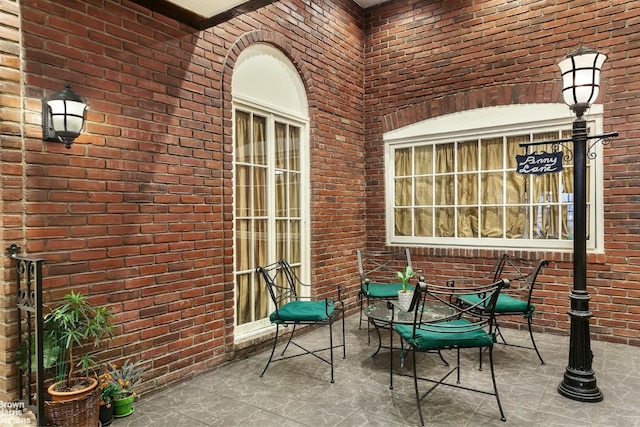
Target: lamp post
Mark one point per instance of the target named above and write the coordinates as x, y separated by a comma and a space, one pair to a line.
580, 86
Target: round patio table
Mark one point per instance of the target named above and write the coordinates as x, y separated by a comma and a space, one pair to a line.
384, 314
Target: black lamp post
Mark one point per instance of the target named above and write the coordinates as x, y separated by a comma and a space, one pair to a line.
580, 86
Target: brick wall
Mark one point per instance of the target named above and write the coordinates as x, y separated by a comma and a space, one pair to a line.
11, 188
429, 58
138, 213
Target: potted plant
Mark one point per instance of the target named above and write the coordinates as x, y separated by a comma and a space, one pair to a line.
108, 392
127, 377
73, 324
405, 295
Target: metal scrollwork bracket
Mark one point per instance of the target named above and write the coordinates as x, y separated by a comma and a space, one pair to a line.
558, 143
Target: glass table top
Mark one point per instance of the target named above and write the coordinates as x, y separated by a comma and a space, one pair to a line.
432, 311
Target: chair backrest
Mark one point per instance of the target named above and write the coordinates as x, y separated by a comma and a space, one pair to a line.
381, 266
522, 273
281, 282
481, 313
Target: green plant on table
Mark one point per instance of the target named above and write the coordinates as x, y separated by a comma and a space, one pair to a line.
406, 275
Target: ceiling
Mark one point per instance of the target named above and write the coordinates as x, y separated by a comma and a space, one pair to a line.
201, 14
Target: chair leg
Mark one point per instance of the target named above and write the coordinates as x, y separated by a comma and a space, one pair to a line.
331, 347
495, 386
293, 331
535, 347
344, 338
273, 349
361, 307
415, 385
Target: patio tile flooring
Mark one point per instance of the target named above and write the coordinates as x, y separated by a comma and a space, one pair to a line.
298, 392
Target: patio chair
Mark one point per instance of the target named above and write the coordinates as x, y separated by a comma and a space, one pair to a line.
294, 310
515, 301
378, 275
463, 328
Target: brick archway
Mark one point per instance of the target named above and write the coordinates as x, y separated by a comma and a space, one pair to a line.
472, 99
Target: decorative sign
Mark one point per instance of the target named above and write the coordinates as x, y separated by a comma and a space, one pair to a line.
539, 163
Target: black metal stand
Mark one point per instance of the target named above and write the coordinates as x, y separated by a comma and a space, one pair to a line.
579, 382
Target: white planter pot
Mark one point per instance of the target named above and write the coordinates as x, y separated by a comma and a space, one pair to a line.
404, 299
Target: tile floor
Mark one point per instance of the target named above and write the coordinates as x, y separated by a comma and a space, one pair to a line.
298, 392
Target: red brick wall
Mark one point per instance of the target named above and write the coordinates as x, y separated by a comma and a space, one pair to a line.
138, 213
429, 58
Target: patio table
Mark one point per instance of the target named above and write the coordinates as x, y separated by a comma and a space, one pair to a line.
384, 314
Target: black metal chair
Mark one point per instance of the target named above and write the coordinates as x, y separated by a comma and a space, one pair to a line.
291, 309
516, 300
378, 274
465, 327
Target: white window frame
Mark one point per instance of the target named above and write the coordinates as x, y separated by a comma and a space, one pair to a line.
251, 106
495, 122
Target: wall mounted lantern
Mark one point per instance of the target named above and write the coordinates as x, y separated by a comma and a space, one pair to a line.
580, 87
63, 116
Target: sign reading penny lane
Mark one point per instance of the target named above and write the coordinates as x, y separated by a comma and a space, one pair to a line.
539, 163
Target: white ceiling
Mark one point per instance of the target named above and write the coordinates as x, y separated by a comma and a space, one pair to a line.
202, 14
208, 9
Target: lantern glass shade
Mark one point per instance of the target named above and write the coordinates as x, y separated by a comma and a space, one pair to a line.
581, 77
64, 116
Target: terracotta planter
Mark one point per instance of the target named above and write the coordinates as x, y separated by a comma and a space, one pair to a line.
59, 396
123, 407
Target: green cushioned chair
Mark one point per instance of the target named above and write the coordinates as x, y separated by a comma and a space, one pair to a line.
466, 327
517, 300
291, 309
378, 275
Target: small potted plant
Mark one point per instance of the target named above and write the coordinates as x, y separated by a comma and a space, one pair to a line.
108, 392
73, 324
406, 294
127, 377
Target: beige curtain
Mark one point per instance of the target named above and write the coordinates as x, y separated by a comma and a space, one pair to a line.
518, 222
251, 229
488, 190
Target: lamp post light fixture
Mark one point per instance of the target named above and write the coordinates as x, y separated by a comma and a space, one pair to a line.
580, 87
63, 116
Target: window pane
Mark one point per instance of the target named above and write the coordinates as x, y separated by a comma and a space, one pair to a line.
259, 191
444, 190
403, 222
492, 154
445, 224
423, 160
294, 148
424, 222
424, 191
403, 162
468, 156
259, 128
243, 137
468, 222
281, 146
403, 192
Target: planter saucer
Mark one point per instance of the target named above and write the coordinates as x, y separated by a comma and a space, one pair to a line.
124, 415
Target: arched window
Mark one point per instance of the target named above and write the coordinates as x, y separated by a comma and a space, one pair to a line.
270, 172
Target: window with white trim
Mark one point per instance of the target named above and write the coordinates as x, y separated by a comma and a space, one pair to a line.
452, 181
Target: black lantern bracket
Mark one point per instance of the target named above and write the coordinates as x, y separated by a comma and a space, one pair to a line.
560, 145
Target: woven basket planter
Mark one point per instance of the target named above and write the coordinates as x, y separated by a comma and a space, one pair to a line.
80, 412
